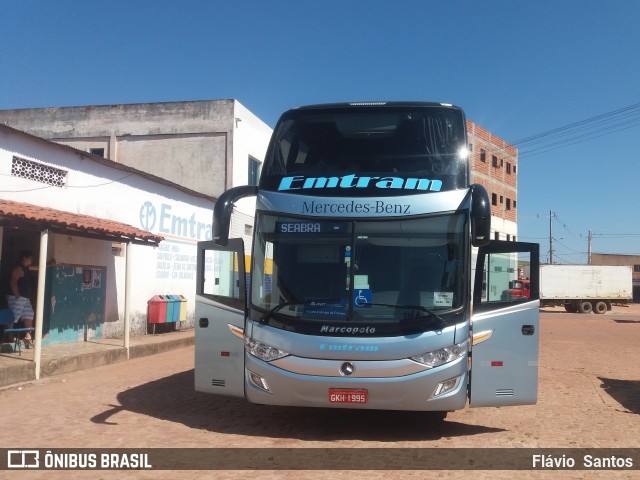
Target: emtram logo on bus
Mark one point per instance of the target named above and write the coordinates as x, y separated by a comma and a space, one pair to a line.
298, 182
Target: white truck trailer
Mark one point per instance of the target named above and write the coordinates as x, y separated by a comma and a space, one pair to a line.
585, 288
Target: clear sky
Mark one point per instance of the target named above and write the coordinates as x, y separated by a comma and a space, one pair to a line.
518, 69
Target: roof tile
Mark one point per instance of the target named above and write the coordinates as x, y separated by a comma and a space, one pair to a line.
76, 221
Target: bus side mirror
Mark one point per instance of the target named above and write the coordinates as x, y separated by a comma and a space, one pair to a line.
224, 208
480, 216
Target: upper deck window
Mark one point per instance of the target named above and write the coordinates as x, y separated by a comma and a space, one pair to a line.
378, 143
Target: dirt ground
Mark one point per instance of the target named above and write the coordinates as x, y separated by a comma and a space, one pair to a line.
631, 309
589, 397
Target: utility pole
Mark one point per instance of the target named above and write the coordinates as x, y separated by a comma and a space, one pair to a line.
589, 248
550, 240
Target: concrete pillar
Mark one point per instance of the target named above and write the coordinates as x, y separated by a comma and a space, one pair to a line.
127, 296
42, 275
113, 147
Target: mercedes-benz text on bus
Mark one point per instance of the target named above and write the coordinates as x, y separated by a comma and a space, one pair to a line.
363, 288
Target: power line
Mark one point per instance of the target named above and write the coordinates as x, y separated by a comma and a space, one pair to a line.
629, 117
533, 238
569, 141
616, 235
564, 225
593, 127
574, 252
547, 133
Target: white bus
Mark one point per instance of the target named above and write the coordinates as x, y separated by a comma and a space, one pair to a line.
360, 289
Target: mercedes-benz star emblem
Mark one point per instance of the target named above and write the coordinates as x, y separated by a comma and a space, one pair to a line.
347, 368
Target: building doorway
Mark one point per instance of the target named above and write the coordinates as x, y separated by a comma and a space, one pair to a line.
14, 241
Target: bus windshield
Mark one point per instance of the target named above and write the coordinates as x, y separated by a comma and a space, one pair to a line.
403, 141
311, 274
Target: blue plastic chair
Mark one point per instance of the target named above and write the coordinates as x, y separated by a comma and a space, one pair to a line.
7, 318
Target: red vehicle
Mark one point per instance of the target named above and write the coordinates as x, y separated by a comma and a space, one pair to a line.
520, 288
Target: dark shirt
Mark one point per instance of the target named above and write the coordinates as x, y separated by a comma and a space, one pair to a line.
24, 283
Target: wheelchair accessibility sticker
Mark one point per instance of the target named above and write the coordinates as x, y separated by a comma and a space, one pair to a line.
362, 297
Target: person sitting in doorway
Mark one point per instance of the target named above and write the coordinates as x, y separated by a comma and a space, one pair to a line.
19, 297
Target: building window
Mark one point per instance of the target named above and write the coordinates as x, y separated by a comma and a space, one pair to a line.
494, 161
483, 155
496, 235
508, 204
23, 168
636, 268
97, 151
501, 199
514, 204
508, 168
254, 171
514, 169
494, 199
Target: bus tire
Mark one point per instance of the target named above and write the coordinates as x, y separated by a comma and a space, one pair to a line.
600, 308
585, 307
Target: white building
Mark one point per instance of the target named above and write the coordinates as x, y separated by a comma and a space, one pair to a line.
155, 193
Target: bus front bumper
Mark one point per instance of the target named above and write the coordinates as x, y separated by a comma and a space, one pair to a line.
443, 388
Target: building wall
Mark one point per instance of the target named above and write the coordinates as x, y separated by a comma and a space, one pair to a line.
204, 146
250, 140
103, 191
494, 165
201, 145
614, 259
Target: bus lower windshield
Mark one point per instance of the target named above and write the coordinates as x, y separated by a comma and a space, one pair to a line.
328, 273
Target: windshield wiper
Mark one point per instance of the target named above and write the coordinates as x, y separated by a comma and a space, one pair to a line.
265, 318
440, 322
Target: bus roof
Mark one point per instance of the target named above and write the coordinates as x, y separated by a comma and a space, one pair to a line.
390, 104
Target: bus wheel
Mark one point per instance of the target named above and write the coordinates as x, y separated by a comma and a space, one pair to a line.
600, 308
585, 307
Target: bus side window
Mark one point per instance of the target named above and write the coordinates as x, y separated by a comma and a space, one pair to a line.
221, 274
501, 274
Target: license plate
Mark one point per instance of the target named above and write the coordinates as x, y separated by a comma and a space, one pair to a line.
337, 395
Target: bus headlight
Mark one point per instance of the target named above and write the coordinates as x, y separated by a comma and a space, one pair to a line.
263, 351
444, 355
